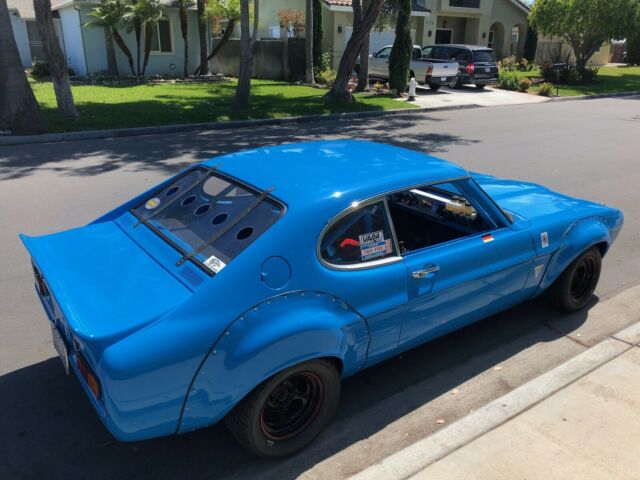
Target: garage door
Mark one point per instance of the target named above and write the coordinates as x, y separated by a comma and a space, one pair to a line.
377, 40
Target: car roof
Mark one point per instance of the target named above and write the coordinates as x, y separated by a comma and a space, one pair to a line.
332, 174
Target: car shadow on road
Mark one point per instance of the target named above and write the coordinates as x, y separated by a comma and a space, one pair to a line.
154, 152
49, 429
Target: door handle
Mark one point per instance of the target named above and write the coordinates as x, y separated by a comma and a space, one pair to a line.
425, 272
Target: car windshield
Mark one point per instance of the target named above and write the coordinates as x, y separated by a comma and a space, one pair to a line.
484, 56
211, 218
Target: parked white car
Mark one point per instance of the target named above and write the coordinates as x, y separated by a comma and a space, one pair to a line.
430, 72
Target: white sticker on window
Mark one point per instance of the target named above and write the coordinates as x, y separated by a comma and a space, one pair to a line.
544, 239
374, 245
214, 263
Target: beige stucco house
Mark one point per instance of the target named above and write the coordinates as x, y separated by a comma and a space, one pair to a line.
500, 24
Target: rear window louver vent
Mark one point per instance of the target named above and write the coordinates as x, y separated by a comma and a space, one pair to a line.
191, 276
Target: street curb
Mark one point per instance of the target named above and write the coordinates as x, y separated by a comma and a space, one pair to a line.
596, 97
418, 456
198, 127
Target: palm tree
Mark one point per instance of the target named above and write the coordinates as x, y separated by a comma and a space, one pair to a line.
109, 15
219, 11
203, 68
247, 44
55, 58
183, 5
19, 111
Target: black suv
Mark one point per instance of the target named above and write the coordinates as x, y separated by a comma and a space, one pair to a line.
478, 65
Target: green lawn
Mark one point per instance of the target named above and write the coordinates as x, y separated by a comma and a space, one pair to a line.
610, 80
105, 107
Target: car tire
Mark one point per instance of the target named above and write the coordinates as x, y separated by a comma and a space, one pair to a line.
575, 286
480, 87
434, 86
265, 426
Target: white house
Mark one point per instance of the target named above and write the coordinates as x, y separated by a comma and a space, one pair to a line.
85, 47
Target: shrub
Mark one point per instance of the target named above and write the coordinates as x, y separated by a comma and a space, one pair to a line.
326, 77
524, 84
590, 74
378, 87
325, 61
508, 63
41, 69
508, 80
546, 89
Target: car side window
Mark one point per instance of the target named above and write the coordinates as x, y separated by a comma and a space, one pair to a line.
434, 214
462, 56
417, 54
360, 237
384, 53
427, 52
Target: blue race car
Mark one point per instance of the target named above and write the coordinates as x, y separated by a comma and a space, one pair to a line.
246, 287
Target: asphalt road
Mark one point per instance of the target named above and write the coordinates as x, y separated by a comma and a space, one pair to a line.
48, 429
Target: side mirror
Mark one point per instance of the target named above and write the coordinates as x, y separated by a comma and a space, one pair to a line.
374, 55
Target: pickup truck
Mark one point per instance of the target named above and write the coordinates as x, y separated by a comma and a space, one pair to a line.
431, 72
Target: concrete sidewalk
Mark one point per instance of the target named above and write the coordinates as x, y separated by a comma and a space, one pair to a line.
578, 420
588, 430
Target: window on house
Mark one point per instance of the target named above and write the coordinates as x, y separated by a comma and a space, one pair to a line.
491, 36
35, 42
161, 41
274, 31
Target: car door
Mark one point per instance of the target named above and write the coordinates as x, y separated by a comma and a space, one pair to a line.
362, 262
452, 282
379, 63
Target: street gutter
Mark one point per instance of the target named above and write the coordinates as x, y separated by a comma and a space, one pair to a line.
198, 127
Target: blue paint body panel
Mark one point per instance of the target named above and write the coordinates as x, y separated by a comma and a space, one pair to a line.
175, 347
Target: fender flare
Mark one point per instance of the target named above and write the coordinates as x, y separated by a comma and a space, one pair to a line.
580, 236
279, 332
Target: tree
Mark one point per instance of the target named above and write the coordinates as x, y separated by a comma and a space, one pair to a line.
55, 58
203, 68
363, 69
339, 91
292, 20
19, 111
109, 15
400, 58
585, 25
219, 11
183, 5
247, 44
308, 42
317, 34
149, 12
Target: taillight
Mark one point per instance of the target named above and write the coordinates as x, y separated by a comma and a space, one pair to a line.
429, 69
87, 374
470, 68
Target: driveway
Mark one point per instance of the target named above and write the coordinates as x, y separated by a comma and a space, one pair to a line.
49, 430
470, 95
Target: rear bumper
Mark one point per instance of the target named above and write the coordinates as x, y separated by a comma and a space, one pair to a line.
442, 80
472, 80
122, 421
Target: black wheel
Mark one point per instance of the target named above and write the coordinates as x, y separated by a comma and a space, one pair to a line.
286, 412
434, 86
573, 289
480, 87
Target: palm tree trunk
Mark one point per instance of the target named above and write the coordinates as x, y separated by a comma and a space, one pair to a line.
203, 69
55, 58
112, 64
137, 27
363, 71
308, 42
123, 46
247, 43
184, 29
148, 35
19, 111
